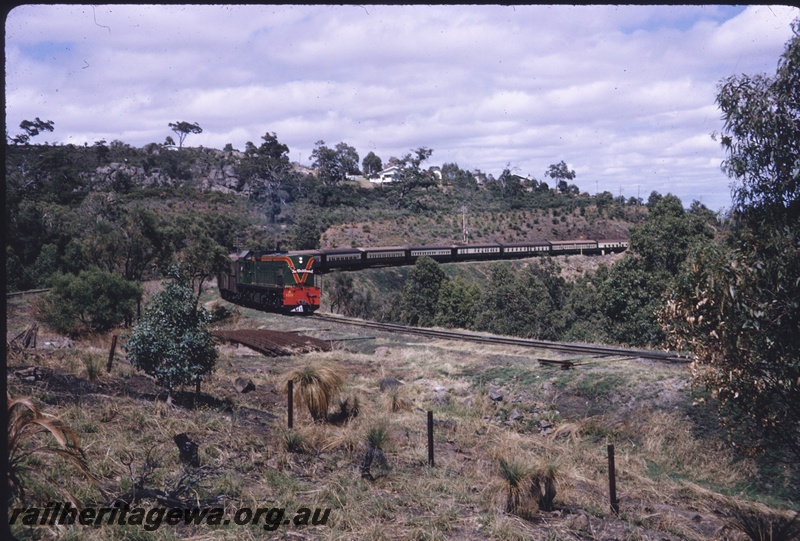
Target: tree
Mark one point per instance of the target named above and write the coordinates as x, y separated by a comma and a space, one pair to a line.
183, 129
201, 260
663, 240
737, 303
306, 233
334, 164
372, 164
634, 290
457, 302
32, 128
265, 171
504, 308
560, 172
171, 342
411, 178
92, 301
421, 292
507, 185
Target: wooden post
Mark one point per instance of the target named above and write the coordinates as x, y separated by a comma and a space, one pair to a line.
612, 481
430, 438
111, 352
291, 403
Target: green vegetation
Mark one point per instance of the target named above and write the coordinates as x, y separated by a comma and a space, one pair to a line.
92, 301
736, 303
171, 341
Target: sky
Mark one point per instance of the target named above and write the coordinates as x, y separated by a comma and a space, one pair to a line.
625, 95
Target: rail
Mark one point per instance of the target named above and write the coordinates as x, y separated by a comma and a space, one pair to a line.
665, 356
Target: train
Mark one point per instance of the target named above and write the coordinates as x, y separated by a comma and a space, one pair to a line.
286, 281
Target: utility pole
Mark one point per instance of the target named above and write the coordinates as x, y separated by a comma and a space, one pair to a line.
464, 222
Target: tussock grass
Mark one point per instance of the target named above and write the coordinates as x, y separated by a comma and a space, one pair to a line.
317, 385
662, 461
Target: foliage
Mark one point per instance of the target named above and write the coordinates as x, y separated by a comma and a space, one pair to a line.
411, 179
200, 261
517, 477
504, 308
663, 241
317, 385
629, 299
371, 165
25, 423
32, 128
171, 342
306, 233
634, 290
738, 310
376, 439
92, 301
265, 173
545, 483
421, 292
457, 303
761, 135
334, 164
737, 304
182, 129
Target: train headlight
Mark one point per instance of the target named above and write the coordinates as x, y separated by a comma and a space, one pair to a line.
301, 260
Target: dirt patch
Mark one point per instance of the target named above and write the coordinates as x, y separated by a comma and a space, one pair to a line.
274, 343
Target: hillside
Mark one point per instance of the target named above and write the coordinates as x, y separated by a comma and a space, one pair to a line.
676, 479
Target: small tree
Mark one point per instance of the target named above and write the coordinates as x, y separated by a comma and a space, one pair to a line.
372, 164
421, 292
183, 128
171, 341
93, 301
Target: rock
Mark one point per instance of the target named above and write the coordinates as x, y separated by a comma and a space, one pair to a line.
495, 396
579, 523
188, 450
441, 399
447, 424
515, 415
382, 351
244, 385
388, 384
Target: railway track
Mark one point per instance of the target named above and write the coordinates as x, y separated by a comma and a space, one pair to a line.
586, 349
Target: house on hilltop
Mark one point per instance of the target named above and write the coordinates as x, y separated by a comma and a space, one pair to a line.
386, 175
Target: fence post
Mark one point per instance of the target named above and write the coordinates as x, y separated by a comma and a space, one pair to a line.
612, 481
291, 403
111, 352
430, 438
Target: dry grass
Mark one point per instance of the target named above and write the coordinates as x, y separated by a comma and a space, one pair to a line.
667, 472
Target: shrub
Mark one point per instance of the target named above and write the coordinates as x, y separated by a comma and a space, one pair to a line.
171, 342
92, 301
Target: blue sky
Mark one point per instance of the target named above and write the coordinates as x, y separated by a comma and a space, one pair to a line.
623, 94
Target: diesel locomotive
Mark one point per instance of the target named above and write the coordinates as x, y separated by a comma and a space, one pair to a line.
274, 282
